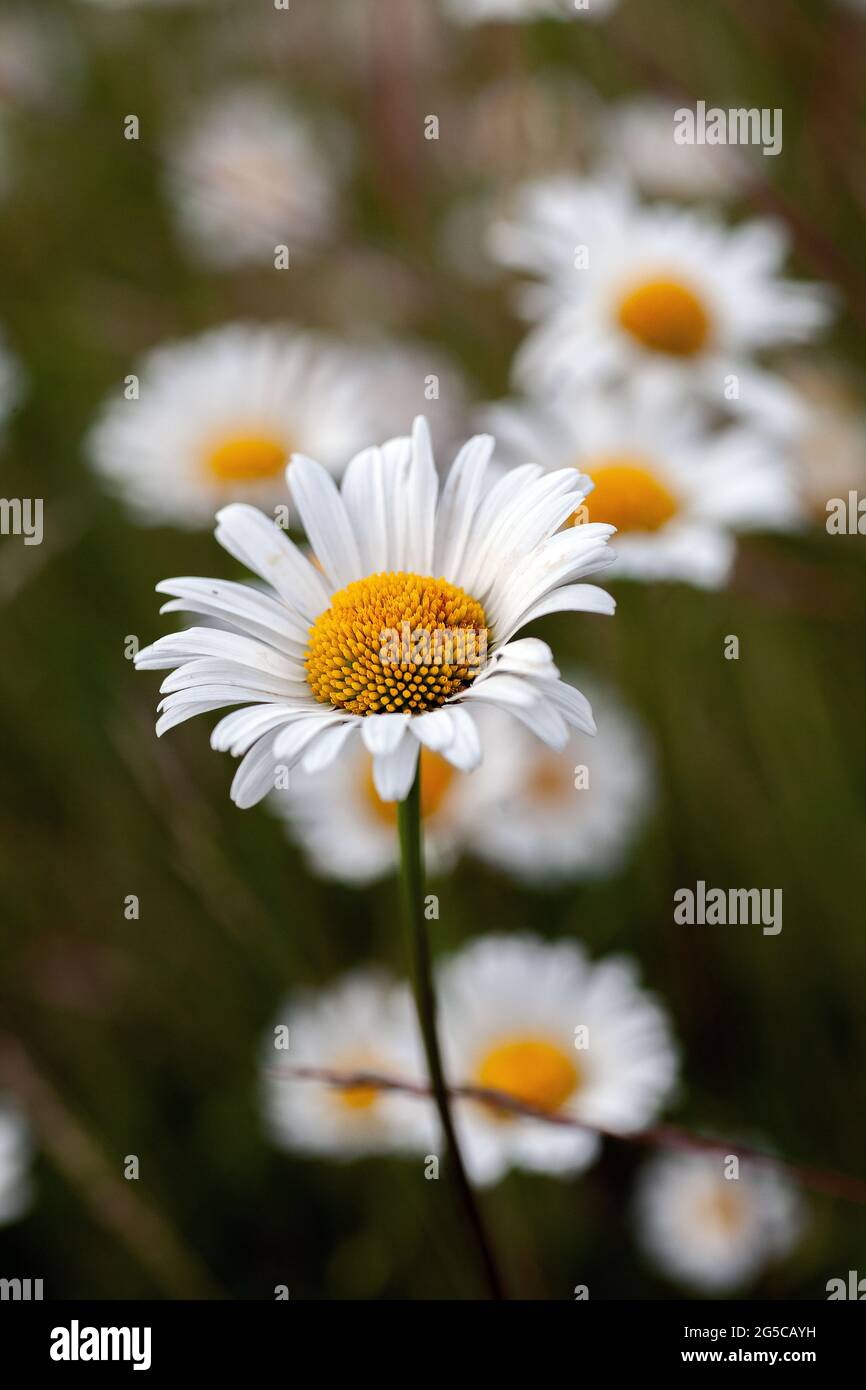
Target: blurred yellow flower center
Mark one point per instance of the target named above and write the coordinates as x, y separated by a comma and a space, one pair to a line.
437, 776
357, 1097
396, 643
530, 1070
723, 1210
665, 316
628, 495
245, 458
550, 780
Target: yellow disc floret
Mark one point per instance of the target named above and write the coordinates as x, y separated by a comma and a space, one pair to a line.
246, 458
627, 494
530, 1070
665, 316
396, 643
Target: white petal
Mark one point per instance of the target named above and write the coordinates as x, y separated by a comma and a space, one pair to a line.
382, 733
394, 773
327, 746
464, 749
240, 606
435, 729
238, 731
326, 520
255, 775
459, 503
257, 542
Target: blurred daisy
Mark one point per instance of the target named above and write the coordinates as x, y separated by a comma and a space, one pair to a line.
711, 1232
366, 642
540, 1022
623, 287
829, 447
363, 1023
639, 141
250, 175
513, 11
218, 416
15, 1192
349, 833
545, 816
675, 492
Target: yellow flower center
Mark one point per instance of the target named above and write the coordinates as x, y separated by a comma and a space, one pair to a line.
550, 780
665, 316
357, 1097
628, 495
246, 458
724, 1211
396, 643
530, 1070
437, 777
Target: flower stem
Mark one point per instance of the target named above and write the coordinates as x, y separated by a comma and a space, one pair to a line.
412, 883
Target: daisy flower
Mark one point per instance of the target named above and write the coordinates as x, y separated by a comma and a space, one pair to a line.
15, 1193
711, 1232
349, 833
249, 175
540, 1022
367, 642
362, 1023
676, 492
515, 11
639, 140
624, 286
543, 816
218, 416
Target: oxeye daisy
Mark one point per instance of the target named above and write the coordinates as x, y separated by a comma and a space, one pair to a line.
541, 1023
250, 174
515, 11
623, 286
362, 1023
711, 1231
545, 816
216, 418
348, 833
405, 624
15, 1194
676, 491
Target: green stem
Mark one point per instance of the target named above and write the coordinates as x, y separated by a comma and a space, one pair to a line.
412, 883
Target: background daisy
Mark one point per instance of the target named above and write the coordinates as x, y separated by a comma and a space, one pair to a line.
710, 1232
512, 1010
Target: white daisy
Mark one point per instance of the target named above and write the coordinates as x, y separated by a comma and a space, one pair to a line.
711, 1232
540, 1022
543, 816
363, 1023
829, 446
623, 286
217, 417
249, 175
676, 492
639, 140
514, 11
15, 1191
349, 833
326, 653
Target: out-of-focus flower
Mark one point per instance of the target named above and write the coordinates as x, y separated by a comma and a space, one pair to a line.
349, 833
709, 1231
251, 174
15, 1190
40, 60
514, 11
216, 417
366, 642
624, 286
543, 816
829, 446
639, 141
551, 1029
11, 381
522, 125
362, 1023
676, 492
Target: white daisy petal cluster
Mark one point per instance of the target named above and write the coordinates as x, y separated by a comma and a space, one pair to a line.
516, 11
363, 1023
622, 286
215, 418
712, 1232
450, 577
15, 1191
537, 814
536, 1021
676, 487
251, 174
